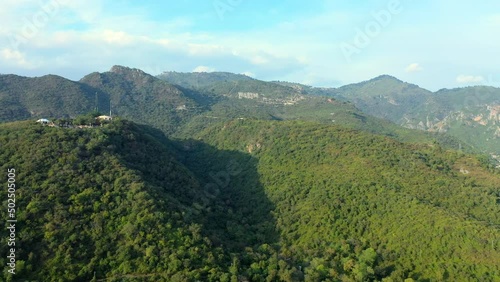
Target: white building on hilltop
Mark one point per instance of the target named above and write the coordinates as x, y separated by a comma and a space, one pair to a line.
104, 118
43, 121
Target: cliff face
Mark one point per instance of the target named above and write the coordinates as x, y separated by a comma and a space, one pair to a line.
477, 125
488, 115
469, 113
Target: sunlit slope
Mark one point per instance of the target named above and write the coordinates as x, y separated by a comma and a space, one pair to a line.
428, 213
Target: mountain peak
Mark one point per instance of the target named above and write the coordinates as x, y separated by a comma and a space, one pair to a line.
123, 70
386, 77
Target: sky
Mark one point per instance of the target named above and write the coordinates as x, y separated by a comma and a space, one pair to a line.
434, 44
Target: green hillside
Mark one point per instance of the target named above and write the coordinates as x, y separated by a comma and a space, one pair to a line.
145, 99
246, 200
41, 97
126, 92
180, 103
114, 202
384, 96
471, 114
110, 201
356, 207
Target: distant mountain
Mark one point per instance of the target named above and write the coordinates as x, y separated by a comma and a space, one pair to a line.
126, 92
200, 79
232, 85
470, 114
143, 98
47, 96
181, 104
242, 97
384, 96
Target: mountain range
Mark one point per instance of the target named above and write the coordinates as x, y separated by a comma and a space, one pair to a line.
471, 114
178, 102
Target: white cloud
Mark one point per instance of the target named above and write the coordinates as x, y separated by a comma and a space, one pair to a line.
15, 57
259, 60
204, 49
469, 79
9, 54
116, 37
415, 67
203, 69
250, 74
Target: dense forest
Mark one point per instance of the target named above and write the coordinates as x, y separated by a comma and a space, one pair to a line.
423, 210
247, 200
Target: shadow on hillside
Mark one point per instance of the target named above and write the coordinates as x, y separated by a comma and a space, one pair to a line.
235, 211
231, 204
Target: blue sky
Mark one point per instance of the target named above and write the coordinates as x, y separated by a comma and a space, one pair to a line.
435, 44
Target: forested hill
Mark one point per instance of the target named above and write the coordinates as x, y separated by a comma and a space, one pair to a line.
24, 97
114, 202
110, 201
126, 92
247, 200
145, 99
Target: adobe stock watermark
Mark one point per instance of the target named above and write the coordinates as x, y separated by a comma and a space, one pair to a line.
221, 7
221, 180
11, 221
31, 25
364, 36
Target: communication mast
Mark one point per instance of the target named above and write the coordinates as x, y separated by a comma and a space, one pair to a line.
96, 108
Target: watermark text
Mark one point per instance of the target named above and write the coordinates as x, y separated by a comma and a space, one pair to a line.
364, 36
11, 220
